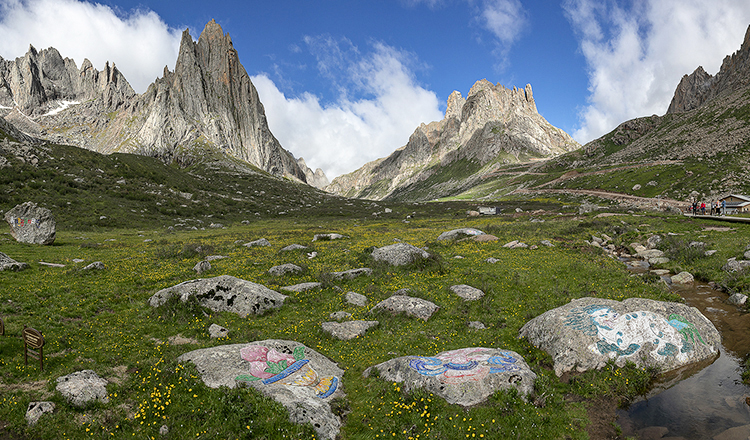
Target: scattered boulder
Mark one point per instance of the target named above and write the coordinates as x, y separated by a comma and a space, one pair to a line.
472, 213
217, 331
547, 243
352, 273
416, 307
96, 265
737, 299
83, 387
585, 333
356, 299
515, 244
211, 258
710, 252
658, 260
327, 237
399, 254
292, 247
7, 263
650, 253
301, 379
492, 260
202, 266
302, 287
284, 269
31, 224
735, 265
456, 234
467, 292
683, 278
477, 325
259, 242
36, 410
349, 329
223, 294
636, 187
465, 377
340, 316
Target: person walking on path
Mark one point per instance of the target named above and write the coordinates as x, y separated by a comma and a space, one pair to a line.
703, 208
723, 207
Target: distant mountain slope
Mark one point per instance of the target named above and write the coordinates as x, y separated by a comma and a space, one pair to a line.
493, 126
207, 104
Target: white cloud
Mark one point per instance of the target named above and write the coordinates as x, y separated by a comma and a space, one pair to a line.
506, 19
342, 136
139, 42
636, 55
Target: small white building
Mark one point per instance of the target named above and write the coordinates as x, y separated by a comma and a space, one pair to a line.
736, 203
489, 210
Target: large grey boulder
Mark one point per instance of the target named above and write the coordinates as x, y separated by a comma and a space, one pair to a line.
349, 329
284, 269
83, 387
416, 307
223, 294
31, 224
466, 377
352, 273
456, 234
399, 254
7, 263
586, 333
735, 265
301, 379
467, 292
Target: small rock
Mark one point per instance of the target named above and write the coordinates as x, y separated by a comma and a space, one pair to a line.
293, 247
348, 330
302, 287
7, 263
467, 292
356, 299
36, 410
215, 257
547, 243
636, 187
83, 387
709, 253
352, 273
217, 331
202, 266
683, 278
96, 265
340, 316
737, 299
259, 242
284, 269
492, 260
477, 325
416, 307
164, 430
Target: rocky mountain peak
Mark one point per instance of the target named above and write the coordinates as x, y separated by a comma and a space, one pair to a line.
455, 104
699, 87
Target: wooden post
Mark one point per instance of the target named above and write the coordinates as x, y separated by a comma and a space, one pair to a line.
33, 343
2, 327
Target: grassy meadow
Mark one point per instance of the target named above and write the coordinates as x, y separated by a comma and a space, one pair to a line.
100, 320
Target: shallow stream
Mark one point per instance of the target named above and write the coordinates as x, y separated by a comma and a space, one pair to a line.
711, 400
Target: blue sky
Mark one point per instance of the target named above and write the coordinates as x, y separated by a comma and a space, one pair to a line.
345, 82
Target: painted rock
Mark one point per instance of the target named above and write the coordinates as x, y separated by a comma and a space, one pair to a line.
586, 333
301, 379
466, 377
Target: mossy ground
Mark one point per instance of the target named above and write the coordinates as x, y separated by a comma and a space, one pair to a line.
100, 320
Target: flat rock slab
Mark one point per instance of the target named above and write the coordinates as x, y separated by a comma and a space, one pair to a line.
683, 278
7, 263
464, 377
467, 292
31, 224
416, 307
302, 287
284, 269
485, 238
399, 254
459, 233
224, 294
301, 379
349, 329
585, 333
352, 273
83, 387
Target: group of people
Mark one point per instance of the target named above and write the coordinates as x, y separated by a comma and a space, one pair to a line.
714, 207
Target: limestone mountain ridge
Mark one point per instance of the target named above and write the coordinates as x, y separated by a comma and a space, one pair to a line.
493, 126
206, 107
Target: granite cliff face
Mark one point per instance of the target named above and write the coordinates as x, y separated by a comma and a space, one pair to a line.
492, 126
699, 87
206, 106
